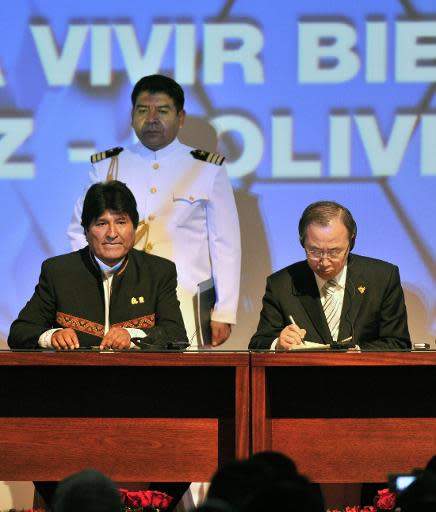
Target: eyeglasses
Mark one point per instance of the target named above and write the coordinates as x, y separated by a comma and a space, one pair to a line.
330, 254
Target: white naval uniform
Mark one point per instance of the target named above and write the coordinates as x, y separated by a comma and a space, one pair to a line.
189, 216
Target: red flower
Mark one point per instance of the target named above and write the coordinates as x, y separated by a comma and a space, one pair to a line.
160, 500
145, 498
385, 500
151, 500
132, 499
356, 508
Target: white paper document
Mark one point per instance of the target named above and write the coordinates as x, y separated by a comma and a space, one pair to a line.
310, 345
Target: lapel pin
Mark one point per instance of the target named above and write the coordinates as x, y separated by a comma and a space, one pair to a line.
134, 300
361, 289
141, 300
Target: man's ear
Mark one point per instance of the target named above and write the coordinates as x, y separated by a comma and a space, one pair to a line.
182, 117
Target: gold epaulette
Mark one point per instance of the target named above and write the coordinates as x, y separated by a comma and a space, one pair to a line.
212, 158
97, 157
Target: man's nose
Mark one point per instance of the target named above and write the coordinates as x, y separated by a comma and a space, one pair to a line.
323, 262
111, 231
152, 115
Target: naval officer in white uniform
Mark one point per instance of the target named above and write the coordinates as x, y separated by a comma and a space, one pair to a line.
185, 202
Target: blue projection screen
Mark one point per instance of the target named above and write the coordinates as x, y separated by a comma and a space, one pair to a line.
308, 100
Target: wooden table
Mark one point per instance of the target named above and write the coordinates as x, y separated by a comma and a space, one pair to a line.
346, 417
134, 416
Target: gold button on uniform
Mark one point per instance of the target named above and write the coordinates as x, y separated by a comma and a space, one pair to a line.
151, 217
149, 246
153, 190
156, 166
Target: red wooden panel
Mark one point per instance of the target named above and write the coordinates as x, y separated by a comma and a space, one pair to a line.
355, 450
141, 449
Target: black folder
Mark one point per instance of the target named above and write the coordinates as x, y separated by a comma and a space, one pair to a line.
206, 298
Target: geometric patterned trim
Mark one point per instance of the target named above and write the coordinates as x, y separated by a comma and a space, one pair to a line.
143, 322
80, 324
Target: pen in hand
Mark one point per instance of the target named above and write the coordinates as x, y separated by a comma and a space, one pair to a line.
345, 340
291, 319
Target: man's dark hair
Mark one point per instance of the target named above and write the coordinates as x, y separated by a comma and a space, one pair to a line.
431, 465
275, 465
286, 496
322, 212
87, 491
110, 195
235, 483
160, 83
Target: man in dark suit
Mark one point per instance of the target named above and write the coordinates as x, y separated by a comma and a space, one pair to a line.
332, 297
106, 294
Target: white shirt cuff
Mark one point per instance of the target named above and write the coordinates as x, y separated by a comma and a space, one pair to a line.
44, 341
224, 317
135, 333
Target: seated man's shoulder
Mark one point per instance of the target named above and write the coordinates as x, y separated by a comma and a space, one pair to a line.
152, 260
62, 260
291, 271
373, 263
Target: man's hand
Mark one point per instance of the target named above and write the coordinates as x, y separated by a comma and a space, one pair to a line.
290, 336
117, 338
65, 339
220, 332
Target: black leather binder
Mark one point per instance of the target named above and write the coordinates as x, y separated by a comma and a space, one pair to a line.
206, 299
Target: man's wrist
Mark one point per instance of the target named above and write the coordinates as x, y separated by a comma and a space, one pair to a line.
137, 334
223, 317
44, 341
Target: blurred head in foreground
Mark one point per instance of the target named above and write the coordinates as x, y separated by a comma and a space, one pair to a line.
267, 480
87, 491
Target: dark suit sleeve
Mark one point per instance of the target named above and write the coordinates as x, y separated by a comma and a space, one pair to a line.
393, 332
168, 314
271, 320
37, 316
